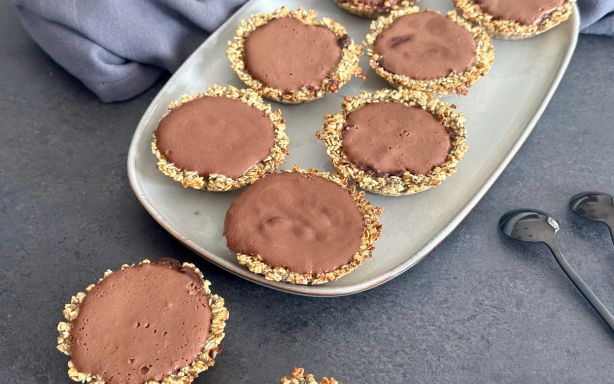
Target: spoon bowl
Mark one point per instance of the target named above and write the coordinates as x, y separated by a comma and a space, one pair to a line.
529, 225
594, 206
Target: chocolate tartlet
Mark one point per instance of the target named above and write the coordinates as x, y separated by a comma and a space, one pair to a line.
220, 140
427, 51
373, 8
298, 376
517, 19
301, 227
292, 57
156, 322
395, 142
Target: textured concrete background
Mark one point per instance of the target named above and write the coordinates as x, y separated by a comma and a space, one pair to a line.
477, 310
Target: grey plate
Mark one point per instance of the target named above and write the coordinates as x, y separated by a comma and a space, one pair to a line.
501, 111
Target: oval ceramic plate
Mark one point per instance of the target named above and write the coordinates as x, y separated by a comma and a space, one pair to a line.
501, 110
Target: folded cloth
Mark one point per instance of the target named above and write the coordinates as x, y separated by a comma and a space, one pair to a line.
597, 16
118, 48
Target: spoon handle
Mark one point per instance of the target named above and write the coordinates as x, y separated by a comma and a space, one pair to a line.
581, 285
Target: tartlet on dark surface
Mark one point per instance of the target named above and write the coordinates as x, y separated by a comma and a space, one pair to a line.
301, 227
299, 376
463, 53
505, 25
395, 182
155, 322
291, 56
204, 144
373, 8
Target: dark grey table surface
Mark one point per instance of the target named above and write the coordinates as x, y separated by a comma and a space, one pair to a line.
477, 310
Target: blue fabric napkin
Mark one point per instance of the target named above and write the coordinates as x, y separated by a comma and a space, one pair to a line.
118, 48
597, 16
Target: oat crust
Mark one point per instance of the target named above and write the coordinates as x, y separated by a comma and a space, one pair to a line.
454, 83
343, 72
372, 231
204, 360
359, 8
299, 376
219, 182
511, 29
407, 183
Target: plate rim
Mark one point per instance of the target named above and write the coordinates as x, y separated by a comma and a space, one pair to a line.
323, 290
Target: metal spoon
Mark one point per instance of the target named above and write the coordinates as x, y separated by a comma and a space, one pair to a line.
538, 227
595, 206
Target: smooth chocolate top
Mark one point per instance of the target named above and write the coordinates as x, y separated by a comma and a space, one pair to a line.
302, 222
523, 11
289, 55
215, 135
141, 323
425, 45
389, 138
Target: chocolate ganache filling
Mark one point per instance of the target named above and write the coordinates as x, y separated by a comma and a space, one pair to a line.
141, 323
287, 54
302, 222
526, 12
215, 135
390, 138
425, 45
